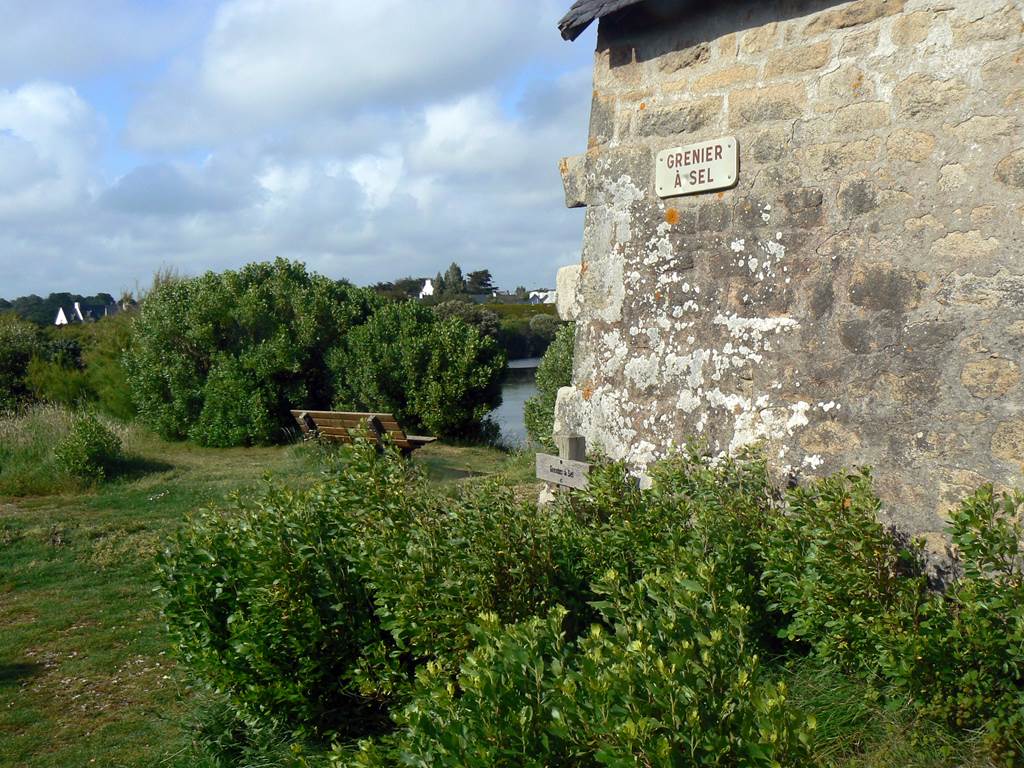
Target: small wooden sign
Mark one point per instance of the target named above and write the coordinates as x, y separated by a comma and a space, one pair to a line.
699, 167
572, 474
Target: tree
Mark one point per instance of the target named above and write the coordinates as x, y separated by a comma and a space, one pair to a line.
222, 358
522, 293
554, 371
485, 321
19, 341
440, 375
479, 282
454, 283
544, 327
410, 286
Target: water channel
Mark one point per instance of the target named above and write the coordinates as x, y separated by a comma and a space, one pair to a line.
517, 386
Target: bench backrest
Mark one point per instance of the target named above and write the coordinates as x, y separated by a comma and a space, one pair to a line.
346, 426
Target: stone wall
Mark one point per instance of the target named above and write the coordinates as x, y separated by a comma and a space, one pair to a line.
858, 298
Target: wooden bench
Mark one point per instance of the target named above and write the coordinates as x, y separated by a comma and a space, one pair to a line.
345, 427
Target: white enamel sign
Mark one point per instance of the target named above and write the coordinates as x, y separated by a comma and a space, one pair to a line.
699, 167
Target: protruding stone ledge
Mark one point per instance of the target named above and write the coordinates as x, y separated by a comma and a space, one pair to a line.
574, 180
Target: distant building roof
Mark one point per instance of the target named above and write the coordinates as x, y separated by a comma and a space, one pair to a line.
585, 11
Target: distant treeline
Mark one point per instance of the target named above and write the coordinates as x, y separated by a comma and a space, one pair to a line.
222, 358
521, 329
42, 311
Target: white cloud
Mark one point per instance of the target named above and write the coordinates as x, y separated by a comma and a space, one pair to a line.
267, 63
377, 175
48, 142
388, 145
60, 39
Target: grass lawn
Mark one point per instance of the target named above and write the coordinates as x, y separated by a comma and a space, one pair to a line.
86, 676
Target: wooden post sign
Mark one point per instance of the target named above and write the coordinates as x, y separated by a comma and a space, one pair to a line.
568, 468
565, 472
699, 167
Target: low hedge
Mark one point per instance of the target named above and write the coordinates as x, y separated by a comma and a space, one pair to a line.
622, 627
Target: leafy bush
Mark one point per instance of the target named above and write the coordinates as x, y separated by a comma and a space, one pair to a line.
89, 451
554, 371
441, 376
103, 349
965, 663
452, 559
845, 584
224, 357
671, 682
80, 365
269, 607
504, 712
676, 680
621, 627
484, 320
19, 341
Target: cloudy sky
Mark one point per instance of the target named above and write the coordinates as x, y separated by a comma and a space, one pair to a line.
371, 140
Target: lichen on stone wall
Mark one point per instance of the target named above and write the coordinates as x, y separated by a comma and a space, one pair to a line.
853, 300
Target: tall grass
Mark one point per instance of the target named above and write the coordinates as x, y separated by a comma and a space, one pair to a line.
28, 441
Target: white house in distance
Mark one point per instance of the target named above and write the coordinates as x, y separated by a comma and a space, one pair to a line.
78, 315
542, 296
73, 315
427, 289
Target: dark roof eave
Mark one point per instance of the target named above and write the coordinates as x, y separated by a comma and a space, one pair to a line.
583, 12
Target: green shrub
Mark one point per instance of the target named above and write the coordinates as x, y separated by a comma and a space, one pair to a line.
620, 627
238, 408
268, 605
677, 680
79, 365
89, 451
441, 376
483, 319
19, 341
503, 712
673, 681
554, 371
261, 334
965, 663
103, 349
842, 582
51, 382
452, 559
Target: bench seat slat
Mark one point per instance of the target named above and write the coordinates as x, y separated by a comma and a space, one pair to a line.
344, 426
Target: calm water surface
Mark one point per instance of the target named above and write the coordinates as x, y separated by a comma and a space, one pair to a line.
517, 387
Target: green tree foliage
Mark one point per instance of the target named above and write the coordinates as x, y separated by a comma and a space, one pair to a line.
484, 320
410, 286
42, 311
223, 357
89, 451
621, 627
440, 375
453, 283
480, 281
81, 364
269, 608
544, 327
19, 341
554, 371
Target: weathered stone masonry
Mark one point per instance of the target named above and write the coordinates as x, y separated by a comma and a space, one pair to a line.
858, 297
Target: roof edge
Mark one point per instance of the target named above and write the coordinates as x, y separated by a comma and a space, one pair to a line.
583, 12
